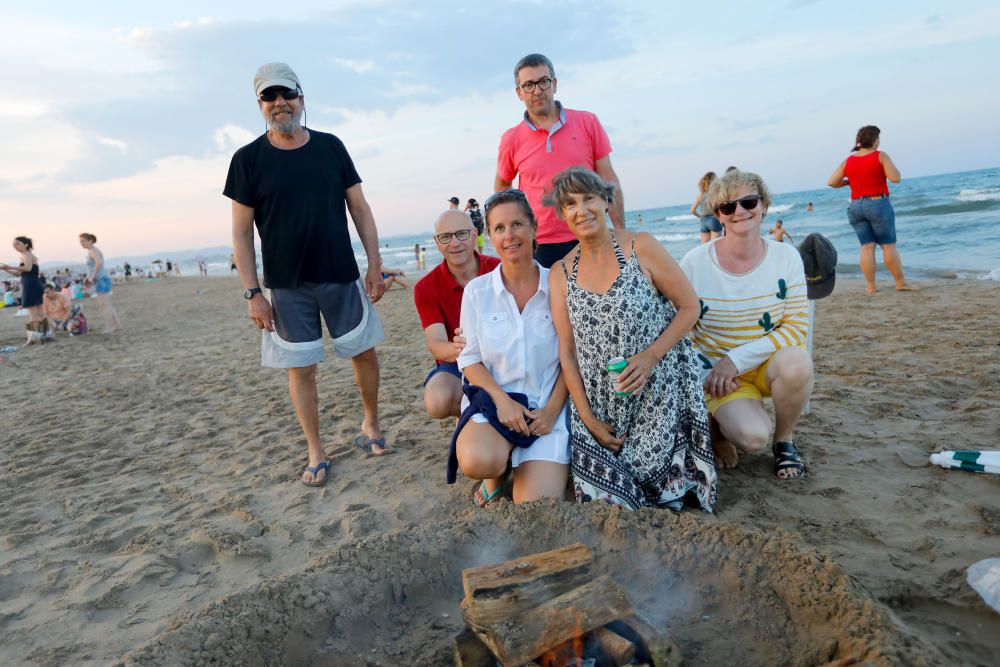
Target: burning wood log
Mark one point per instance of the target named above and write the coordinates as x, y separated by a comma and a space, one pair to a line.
521, 638
618, 650
497, 592
470, 652
651, 646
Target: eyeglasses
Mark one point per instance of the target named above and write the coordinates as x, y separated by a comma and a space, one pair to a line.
446, 237
543, 84
748, 203
271, 94
508, 195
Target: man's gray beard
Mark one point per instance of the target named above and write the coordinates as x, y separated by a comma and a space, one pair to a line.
287, 127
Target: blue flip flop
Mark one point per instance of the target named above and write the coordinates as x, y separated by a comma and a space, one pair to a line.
322, 465
367, 445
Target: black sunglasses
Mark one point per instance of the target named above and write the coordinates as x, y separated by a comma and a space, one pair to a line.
748, 203
508, 195
271, 94
461, 235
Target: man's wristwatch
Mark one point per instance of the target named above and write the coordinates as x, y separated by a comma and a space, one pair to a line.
251, 292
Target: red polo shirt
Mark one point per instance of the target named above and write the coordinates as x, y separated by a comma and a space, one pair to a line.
438, 295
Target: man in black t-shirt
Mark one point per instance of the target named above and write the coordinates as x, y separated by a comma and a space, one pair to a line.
298, 185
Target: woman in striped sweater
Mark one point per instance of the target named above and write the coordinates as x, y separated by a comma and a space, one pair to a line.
751, 333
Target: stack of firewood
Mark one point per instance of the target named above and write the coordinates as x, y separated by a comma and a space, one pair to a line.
548, 610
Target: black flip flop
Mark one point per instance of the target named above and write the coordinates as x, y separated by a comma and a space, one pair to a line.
786, 457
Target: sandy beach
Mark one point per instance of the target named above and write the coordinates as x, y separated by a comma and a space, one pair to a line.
150, 511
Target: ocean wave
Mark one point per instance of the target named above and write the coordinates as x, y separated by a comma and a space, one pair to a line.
992, 275
686, 217
979, 194
965, 206
668, 238
781, 208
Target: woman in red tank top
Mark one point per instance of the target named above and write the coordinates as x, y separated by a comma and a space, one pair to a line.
871, 213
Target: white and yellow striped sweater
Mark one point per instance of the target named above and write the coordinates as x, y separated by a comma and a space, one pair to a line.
750, 316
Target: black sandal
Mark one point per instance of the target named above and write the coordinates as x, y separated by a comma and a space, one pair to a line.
786, 457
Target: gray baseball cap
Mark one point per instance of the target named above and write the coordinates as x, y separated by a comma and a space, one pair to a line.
275, 74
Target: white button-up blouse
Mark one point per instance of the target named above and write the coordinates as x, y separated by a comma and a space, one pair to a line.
519, 349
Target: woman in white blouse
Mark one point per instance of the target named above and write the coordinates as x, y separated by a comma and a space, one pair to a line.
511, 346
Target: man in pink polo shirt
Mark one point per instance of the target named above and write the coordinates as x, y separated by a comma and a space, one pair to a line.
549, 139
438, 297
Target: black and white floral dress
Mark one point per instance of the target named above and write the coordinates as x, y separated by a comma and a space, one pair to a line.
667, 451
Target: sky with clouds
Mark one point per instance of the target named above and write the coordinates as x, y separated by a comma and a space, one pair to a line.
121, 117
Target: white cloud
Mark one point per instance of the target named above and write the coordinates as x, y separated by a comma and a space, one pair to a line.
37, 150
230, 137
356, 66
118, 144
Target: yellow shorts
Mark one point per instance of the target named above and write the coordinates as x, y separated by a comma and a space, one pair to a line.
753, 384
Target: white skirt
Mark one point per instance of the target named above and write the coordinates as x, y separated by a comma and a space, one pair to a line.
552, 446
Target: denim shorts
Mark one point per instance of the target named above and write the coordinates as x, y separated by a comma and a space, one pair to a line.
709, 223
103, 284
444, 367
873, 220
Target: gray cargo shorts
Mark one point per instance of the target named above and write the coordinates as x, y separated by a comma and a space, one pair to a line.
297, 339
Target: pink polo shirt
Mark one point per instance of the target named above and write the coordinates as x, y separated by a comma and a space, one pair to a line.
535, 156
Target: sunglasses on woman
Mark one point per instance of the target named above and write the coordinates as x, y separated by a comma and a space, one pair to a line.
748, 203
271, 94
502, 197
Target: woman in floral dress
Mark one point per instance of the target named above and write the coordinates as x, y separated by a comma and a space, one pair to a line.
643, 441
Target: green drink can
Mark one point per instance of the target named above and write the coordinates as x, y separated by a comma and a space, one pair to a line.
615, 368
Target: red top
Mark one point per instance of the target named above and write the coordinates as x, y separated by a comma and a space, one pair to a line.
866, 176
438, 295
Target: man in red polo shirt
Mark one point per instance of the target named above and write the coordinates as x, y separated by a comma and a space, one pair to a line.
438, 296
552, 138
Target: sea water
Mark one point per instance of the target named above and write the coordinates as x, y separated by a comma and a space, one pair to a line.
947, 226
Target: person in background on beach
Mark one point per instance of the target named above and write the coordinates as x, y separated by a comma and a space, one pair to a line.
513, 428
294, 182
416, 254
710, 227
128, 271
638, 219
809, 208
751, 331
58, 309
391, 277
871, 213
453, 203
779, 232
438, 297
476, 215
422, 264
31, 286
642, 440
549, 139
232, 262
97, 276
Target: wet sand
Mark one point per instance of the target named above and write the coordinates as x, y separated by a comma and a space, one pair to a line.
149, 486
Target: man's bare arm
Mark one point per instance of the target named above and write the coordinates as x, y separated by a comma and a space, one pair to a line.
243, 251
500, 184
364, 222
617, 209
438, 344
259, 310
